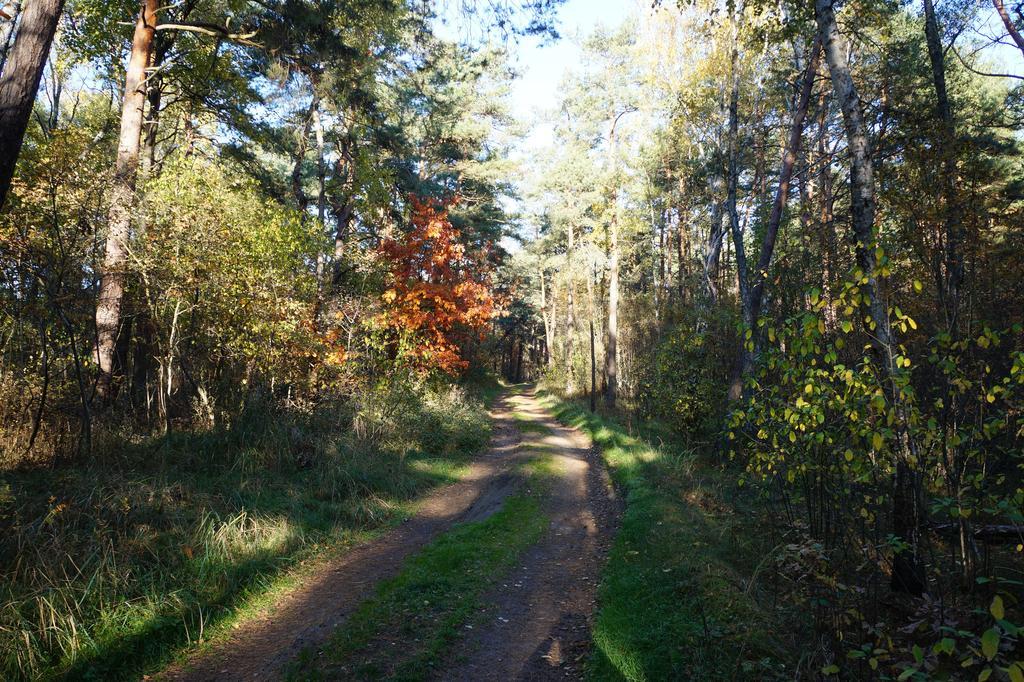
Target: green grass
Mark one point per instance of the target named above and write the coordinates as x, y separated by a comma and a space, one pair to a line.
679, 598
541, 468
407, 628
528, 424
112, 568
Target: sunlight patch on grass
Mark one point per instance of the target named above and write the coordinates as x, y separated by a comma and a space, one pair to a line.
528, 423
542, 467
148, 552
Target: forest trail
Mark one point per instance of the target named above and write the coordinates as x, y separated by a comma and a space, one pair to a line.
536, 620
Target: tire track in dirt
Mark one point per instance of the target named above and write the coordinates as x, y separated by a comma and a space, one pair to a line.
261, 647
537, 623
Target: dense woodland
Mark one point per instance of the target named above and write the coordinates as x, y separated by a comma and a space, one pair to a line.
287, 241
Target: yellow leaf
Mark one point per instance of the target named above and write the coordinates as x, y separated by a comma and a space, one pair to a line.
918, 286
876, 441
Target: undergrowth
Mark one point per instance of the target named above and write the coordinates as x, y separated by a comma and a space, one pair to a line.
683, 595
111, 567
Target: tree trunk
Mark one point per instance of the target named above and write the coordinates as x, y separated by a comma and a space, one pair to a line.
908, 572
733, 173
152, 123
549, 323
789, 157
946, 147
716, 238
19, 81
122, 202
301, 200
1011, 28
826, 212
321, 170
570, 331
162, 44
593, 352
519, 362
611, 362
682, 241
611, 366
753, 294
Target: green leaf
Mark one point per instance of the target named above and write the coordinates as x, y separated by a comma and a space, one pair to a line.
906, 674
997, 608
990, 643
1016, 672
847, 326
830, 669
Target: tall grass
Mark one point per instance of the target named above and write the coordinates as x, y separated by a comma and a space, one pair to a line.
108, 568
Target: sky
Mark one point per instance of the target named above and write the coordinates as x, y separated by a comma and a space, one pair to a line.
541, 65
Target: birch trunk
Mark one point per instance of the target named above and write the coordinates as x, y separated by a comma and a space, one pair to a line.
908, 573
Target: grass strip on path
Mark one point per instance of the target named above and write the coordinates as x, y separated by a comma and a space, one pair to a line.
676, 599
410, 623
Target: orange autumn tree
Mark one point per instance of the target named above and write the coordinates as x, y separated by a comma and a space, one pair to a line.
438, 296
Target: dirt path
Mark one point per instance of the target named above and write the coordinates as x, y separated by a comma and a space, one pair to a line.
538, 620
260, 648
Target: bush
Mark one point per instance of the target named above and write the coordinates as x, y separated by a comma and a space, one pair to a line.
686, 380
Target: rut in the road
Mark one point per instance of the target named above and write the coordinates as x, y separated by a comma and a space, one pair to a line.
262, 647
538, 619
